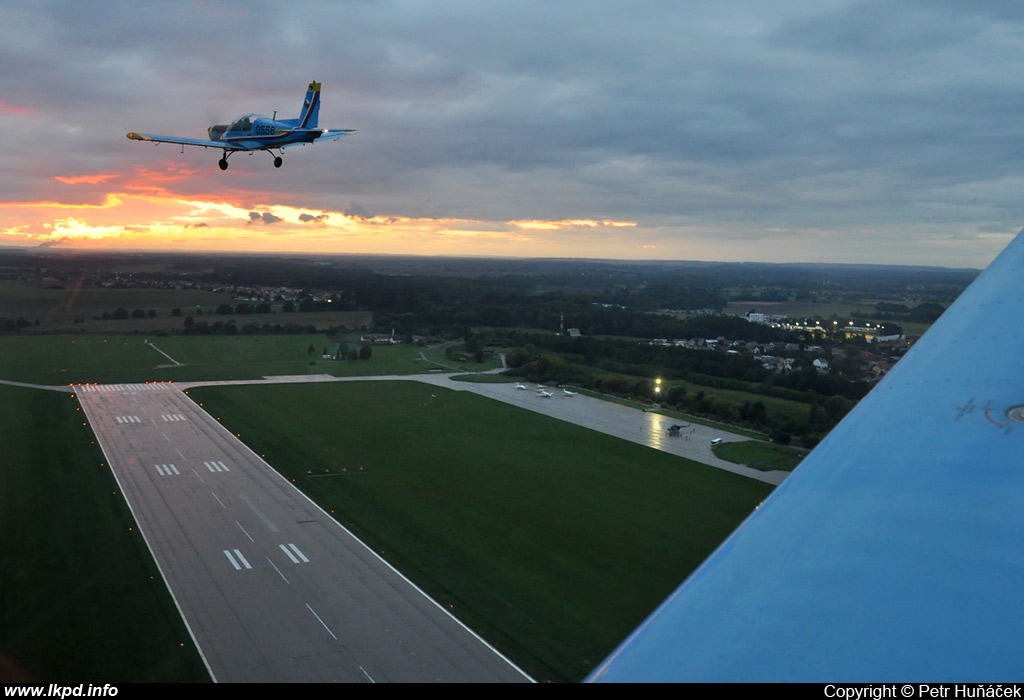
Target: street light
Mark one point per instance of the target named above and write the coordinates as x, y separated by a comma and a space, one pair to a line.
657, 386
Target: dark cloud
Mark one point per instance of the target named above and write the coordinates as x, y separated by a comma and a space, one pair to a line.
314, 218
358, 212
266, 218
53, 243
828, 116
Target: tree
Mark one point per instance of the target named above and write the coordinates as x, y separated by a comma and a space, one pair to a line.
365, 352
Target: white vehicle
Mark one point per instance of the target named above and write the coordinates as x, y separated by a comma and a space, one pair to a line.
716, 441
543, 394
521, 386
569, 393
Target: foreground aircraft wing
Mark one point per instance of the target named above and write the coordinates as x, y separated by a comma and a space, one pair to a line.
135, 136
895, 551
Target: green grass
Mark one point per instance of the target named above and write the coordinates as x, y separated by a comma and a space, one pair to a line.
80, 596
66, 359
765, 456
550, 540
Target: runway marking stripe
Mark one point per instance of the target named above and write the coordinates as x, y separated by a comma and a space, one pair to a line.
234, 562
299, 553
321, 621
289, 548
284, 548
216, 466
166, 469
241, 558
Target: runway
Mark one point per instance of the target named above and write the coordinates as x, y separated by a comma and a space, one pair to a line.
271, 588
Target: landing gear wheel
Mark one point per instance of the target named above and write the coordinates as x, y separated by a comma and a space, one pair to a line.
277, 161
223, 163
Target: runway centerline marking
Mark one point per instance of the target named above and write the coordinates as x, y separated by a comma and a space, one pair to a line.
323, 623
243, 531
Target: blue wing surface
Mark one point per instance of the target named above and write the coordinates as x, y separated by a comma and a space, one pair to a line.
895, 551
135, 136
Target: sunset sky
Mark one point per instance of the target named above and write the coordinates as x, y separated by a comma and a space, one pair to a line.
737, 130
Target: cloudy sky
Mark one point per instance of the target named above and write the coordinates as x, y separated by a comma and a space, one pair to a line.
755, 130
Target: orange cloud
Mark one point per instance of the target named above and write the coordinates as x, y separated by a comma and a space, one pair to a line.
563, 224
85, 179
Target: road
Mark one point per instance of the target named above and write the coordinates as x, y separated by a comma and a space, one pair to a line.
272, 589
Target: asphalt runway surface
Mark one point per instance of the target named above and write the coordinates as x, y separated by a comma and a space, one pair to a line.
271, 588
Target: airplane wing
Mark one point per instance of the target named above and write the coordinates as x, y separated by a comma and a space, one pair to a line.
895, 551
135, 136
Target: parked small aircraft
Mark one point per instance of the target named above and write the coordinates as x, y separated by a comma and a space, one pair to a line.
521, 386
543, 394
255, 132
569, 393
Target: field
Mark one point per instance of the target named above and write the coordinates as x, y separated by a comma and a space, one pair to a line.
62, 360
552, 541
760, 455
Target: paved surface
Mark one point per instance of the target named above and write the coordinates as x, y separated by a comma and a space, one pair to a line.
272, 589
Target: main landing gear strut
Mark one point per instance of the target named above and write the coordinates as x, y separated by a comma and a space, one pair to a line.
223, 162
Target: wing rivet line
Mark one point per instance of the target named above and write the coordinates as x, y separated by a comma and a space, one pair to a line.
1016, 413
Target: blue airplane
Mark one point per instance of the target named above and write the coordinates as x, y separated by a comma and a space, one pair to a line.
895, 551
255, 132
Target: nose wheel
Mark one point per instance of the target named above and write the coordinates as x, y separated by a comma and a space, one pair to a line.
223, 163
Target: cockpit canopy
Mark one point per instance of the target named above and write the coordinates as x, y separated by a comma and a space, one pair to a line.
245, 123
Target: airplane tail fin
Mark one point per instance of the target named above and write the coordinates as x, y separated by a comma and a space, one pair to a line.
310, 113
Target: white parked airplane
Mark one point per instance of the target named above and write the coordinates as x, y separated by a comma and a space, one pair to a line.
569, 393
521, 386
543, 394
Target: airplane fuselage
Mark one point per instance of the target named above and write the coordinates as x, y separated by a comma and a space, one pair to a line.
255, 131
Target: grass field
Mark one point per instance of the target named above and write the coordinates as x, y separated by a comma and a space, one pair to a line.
550, 540
66, 359
80, 597
760, 455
